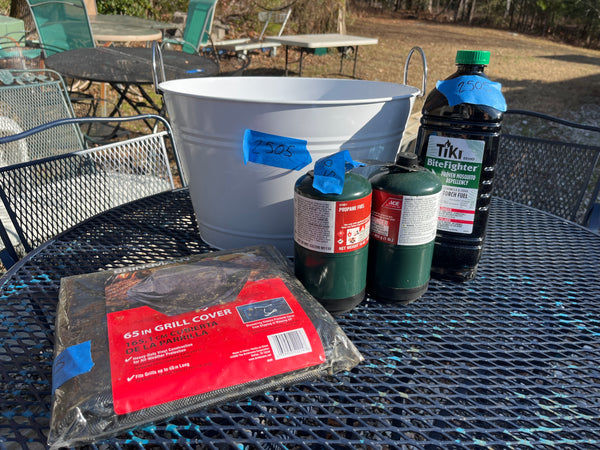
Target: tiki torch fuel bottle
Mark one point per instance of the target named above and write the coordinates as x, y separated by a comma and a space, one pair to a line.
458, 140
406, 202
331, 241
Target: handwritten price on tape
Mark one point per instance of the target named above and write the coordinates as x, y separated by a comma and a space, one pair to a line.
473, 89
276, 151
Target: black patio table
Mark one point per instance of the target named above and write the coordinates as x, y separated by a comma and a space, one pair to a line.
124, 67
508, 360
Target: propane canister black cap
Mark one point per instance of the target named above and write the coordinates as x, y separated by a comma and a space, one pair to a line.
408, 160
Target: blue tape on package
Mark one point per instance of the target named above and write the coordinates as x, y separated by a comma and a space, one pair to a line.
330, 172
71, 362
473, 89
276, 151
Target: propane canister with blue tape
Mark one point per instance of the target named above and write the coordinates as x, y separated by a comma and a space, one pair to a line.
332, 212
406, 201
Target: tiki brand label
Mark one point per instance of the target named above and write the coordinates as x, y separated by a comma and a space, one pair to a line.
332, 227
457, 162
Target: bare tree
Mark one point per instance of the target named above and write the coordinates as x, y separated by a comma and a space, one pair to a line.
20, 10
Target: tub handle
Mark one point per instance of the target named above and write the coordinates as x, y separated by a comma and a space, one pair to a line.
157, 63
424, 85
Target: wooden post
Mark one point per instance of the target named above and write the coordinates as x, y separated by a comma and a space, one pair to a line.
341, 22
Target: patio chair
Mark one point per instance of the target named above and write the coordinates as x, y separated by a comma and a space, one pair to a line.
35, 96
552, 172
29, 98
197, 32
244, 45
61, 25
46, 196
15, 53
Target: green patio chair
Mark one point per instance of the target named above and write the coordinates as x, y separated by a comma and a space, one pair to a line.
61, 25
198, 26
197, 32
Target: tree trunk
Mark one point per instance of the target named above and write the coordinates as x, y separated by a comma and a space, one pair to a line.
20, 10
459, 10
341, 23
507, 10
472, 11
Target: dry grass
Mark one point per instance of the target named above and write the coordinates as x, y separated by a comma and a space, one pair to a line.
536, 74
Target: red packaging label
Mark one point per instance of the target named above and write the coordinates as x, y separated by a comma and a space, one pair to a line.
387, 211
332, 227
352, 224
404, 219
157, 358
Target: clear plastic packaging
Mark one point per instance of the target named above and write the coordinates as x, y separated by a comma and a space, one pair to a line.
138, 345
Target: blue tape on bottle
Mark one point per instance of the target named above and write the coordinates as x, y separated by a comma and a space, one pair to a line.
330, 172
473, 89
72, 361
276, 151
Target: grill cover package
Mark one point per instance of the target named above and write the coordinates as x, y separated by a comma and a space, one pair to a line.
142, 344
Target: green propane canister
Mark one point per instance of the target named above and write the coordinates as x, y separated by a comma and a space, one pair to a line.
406, 201
331, 241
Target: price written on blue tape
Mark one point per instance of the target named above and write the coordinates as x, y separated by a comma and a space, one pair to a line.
277, 151
473, 89
471, 85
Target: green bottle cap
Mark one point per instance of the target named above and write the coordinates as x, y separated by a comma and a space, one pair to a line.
476, 57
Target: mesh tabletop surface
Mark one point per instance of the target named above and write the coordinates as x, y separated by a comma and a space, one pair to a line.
509, 360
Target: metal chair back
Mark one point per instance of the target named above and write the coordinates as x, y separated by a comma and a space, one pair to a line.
244, 45
29, 98
270, 17
61, 25
47, 196
561, 177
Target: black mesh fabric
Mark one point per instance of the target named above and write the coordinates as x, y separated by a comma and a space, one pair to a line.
549, 175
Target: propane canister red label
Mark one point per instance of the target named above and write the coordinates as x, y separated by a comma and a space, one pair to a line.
331, 241
332, 227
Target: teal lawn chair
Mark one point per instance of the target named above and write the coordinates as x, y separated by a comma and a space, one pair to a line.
198, 25
61, 25
64, 25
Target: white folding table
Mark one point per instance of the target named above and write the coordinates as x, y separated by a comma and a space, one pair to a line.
307, 42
